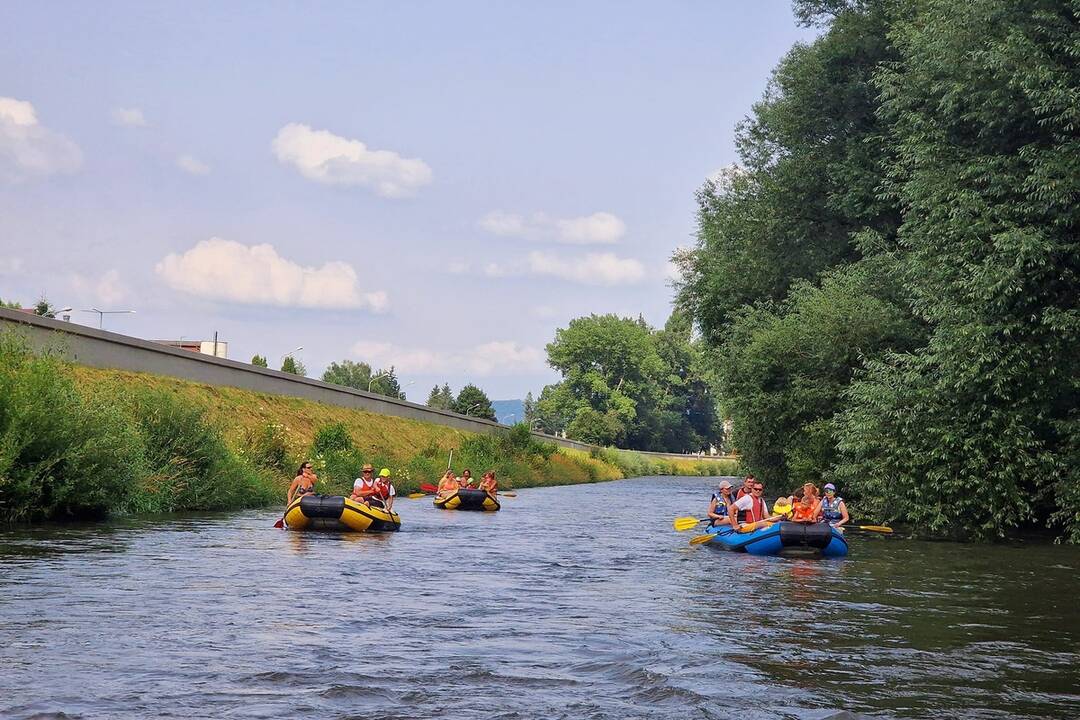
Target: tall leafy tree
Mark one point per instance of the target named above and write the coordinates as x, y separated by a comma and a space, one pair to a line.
984, 110
473, 401
360, 376
293, 366
440, 397
258, 361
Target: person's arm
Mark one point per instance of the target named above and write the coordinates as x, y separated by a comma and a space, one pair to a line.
733, 510
712, 510
843, 513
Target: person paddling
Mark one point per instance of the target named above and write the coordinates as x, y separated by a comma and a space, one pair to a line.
720, 504
302, 484
384, 491
832, 508
448, 485
750, 509
364, 486
488, 484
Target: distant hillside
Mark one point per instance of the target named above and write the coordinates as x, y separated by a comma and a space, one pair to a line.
509, 411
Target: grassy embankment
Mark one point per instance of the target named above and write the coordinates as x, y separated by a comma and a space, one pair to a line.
84, 442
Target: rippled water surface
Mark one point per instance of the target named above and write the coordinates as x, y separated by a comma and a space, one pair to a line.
573, 602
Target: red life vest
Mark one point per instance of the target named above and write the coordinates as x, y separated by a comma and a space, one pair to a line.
758, 511
382, 489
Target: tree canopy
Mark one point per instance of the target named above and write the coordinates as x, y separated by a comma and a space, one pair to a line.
473, 401
360, 376
626, 384
887, 283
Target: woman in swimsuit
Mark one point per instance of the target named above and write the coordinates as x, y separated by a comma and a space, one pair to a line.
448, 485
302, 484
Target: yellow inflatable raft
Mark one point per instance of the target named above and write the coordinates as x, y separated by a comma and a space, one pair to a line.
468, 499
334, 512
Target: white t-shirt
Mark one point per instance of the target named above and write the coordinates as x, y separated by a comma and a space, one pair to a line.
745, 502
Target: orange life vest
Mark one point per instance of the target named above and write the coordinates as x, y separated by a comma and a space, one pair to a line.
758, 511
803, 513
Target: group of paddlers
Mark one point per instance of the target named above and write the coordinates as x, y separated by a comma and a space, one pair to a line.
450, 483
746, 506
373, 491
379, 491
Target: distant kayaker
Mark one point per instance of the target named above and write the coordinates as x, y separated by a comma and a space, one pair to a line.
832, 508
448, 485
364, 486
466, 478
750, 508
488, 484
302, 484
720, 503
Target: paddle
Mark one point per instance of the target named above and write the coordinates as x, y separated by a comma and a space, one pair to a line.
413, 496
428, 488
869, 528
702, 539
508, 494
686, 523
280, 524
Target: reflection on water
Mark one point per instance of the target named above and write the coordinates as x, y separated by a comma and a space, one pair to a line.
573, 602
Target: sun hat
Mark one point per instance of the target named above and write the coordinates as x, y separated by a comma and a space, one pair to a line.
385, 472
725, 484
367, 466
830, 486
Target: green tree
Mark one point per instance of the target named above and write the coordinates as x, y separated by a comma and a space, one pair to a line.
983, 116
386, 383
293, 366
473, 401
359, 375
440, 398
258, 361
44, 308
10, 305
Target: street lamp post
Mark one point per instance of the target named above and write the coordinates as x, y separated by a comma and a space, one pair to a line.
374, 378
291, 352
471, 408
102, 313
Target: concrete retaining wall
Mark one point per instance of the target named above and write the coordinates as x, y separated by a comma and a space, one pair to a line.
102, 349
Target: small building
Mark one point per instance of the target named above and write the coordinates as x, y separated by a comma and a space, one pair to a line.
217, 348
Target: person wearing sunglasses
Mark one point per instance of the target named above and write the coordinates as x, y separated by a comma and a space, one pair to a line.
750, 508
832, 507
364, 487
302, 484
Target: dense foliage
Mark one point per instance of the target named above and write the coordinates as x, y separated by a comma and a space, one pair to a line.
66, 454
627, 384
293, 366
889, 280
360, 376
473, 401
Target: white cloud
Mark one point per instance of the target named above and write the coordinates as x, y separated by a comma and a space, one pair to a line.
227, 270
499, 357
592, 269
600, 228
191, 165
107, 289
11, 266
321, 156
128, 117
28, 149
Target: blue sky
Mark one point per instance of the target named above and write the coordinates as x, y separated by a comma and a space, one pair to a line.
435, 185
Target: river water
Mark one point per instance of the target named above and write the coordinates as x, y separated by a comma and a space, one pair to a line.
573, 602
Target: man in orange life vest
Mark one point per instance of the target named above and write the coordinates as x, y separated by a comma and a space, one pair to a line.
751, 508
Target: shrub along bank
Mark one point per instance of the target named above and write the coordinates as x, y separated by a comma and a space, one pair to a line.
78, 442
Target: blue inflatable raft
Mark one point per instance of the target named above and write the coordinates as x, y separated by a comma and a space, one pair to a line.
784, 538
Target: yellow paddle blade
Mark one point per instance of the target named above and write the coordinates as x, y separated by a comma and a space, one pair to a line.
507, 494
875, 528
685, 523
413, 496
702, 539
760, 525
